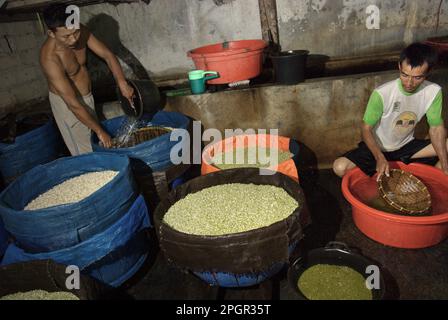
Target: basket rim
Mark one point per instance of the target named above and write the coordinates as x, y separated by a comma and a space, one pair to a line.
150, 128
155, 128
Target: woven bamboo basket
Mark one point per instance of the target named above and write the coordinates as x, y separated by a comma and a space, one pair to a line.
140, 136
405, 192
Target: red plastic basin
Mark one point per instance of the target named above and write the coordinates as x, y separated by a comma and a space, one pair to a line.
395, 230
287, 167
440, 44
233, 60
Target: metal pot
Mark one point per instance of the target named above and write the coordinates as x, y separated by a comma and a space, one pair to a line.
146, 99
335, 253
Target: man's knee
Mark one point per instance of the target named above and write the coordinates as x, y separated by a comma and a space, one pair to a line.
341, 166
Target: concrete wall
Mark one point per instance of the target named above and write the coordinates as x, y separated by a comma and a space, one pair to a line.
338, 27
323, 114
155, 38
152, 40
20, 76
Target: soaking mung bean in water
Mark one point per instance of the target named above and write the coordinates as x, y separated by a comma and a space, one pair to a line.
332, 282
229, 209
220, 161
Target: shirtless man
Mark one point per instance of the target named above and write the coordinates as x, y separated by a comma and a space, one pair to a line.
63, 60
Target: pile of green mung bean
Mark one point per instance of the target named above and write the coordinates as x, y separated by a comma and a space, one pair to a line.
229, 209
333, 282
251, 158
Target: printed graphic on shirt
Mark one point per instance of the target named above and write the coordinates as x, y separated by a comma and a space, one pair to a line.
397, 106
404, 124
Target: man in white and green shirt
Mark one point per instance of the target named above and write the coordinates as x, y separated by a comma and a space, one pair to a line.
393, 111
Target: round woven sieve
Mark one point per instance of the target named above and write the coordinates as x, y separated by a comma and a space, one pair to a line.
404, 192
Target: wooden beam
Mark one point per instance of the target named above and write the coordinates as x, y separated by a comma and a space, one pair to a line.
324, 66
269, 23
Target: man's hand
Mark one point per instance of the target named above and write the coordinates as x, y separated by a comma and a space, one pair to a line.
105, 139
382, 167
438, 141
127, 91
445, 169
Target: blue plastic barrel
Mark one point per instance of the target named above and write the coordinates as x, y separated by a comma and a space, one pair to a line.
231, 280
154, 153
177, 182
66, 225
33, 148
112, 256
121, 264
150, 158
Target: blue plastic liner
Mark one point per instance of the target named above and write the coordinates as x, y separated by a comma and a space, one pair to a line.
112, 256
232, 280
63, 226
155, 153
33, 148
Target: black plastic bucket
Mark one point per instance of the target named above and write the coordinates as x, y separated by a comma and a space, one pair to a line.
339, 254
289, 66
146, 99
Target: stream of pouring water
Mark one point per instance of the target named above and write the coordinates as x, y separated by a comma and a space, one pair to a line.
124, 133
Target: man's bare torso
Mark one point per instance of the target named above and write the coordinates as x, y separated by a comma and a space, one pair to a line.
72, 61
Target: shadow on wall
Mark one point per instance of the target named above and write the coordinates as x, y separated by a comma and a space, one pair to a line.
316, 65
106, 29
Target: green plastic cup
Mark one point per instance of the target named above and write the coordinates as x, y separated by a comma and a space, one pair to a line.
197, 80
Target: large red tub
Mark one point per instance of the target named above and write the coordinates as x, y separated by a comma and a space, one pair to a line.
233, 60
395, 230
287, 167
440, 44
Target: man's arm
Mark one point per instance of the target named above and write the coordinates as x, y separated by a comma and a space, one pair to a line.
373, 114
437, 131
382, 166
57, 78
438, 140
101, 50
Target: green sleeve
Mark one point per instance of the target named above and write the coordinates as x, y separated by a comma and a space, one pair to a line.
374, 110
434, 114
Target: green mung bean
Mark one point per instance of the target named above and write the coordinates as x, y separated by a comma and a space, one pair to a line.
332, 282
221, 160
229, 209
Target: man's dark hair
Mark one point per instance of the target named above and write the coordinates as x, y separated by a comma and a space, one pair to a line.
417, 54
55, 16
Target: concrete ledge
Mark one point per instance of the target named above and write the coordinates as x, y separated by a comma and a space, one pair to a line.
323, 114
